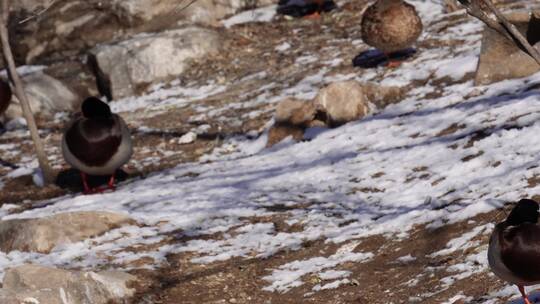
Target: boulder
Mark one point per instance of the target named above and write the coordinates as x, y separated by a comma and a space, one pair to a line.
47, 95
70, 28
210, 11
43, 234
125, 68
46, 285
342, 102
138, 12
76, 75
500, 59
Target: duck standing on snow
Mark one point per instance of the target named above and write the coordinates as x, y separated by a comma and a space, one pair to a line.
305, 8
97, 143
391, 26
514, 247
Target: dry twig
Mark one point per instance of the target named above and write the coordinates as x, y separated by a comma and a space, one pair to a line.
38, 13
481, 10
46, 169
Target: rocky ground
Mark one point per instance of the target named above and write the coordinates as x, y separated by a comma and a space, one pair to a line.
396, 207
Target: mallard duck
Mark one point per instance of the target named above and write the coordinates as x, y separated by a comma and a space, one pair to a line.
305, 8
97, 143
514, 247
391, 25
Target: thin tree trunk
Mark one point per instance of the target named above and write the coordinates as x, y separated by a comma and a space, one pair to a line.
48, 174
476, 8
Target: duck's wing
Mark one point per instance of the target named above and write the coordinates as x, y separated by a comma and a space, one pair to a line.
520, 251
94, 141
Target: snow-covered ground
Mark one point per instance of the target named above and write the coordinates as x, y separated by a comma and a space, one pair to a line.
425, 160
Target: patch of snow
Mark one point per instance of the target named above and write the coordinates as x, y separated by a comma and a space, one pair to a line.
263, 14
464, 241
334, 274
332, 285
406, 259
289, 275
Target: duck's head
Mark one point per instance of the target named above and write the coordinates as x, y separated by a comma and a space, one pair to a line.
93, 107
526, 211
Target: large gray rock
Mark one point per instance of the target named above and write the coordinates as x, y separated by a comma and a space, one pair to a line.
136, 12
45, 285
501, 59
43, 234
343, 102
126, 68
210, 11
47, 95
72, 27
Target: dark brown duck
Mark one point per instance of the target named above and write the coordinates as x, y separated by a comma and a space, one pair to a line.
98, 142
514, 247
391, 25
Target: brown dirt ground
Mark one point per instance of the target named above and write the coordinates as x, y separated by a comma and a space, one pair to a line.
381, 279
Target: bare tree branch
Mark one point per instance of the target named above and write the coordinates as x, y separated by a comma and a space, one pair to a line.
477, 8
38, 13
46, 169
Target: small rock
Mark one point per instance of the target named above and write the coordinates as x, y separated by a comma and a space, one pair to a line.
46, 285
43, 234
125, 68
383, 96
187, 138
47, 96
500, 59
342, 102
280, 131
295, 112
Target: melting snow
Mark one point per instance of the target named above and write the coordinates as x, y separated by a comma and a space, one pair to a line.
263, 14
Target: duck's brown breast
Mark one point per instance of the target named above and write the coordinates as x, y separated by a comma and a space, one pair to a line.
391, 27
94, 142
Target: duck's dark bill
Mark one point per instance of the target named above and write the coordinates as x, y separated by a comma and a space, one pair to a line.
71, 179
374, 58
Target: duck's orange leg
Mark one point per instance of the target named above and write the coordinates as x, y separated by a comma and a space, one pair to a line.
392, 63
86, 189
314, 16
111, 182
523, 294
